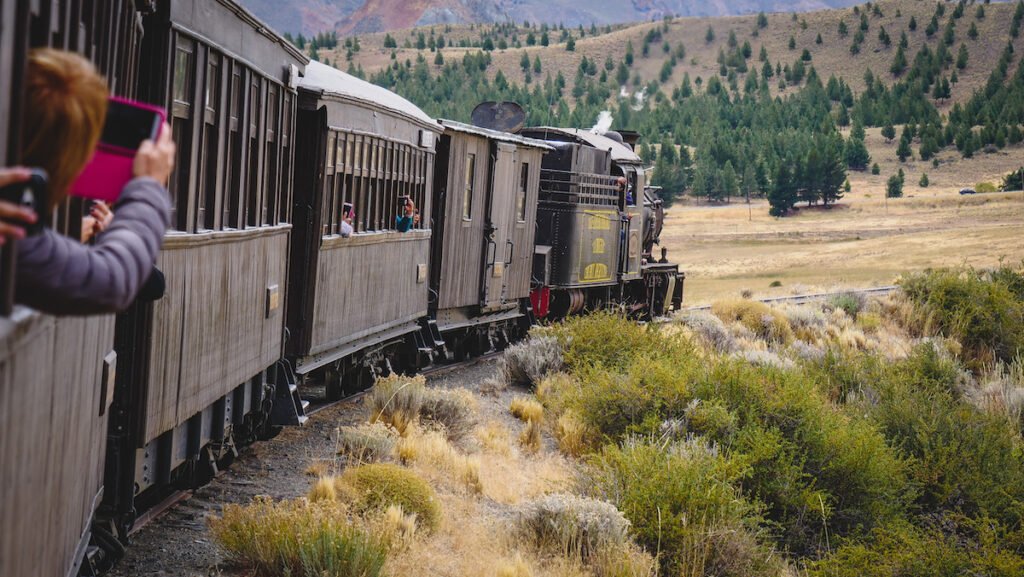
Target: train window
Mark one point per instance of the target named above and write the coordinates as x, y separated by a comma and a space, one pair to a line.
328, 192
524, 179
252, 201
270, 183
467, 195
233, 166
181, 126
207, 199
285, 186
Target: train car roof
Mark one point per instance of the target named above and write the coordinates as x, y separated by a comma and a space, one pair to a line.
329, 81
494, 134
204, 17
620, 152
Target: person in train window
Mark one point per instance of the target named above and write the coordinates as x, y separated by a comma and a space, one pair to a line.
66, 102
623, 187
347, 215
410, 216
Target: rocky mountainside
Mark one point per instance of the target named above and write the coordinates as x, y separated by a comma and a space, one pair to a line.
362, 16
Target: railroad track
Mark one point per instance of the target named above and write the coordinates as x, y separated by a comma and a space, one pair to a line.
801, 299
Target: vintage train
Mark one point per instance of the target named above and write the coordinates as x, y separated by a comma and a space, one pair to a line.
267, 302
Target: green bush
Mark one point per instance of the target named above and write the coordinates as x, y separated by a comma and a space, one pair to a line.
908, 551
827, 454
682, 500
376, 486
612, 341
982, 311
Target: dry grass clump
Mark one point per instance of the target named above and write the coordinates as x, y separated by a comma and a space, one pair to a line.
377, 486
324, 489
711, 330
298, 538
526, 363
526, 409
515, 567
764, 359
494, 438
366, 443
454, 409
318, 468
396, 401
397, 526
431, 450
530, 437
1001, 392
764, 321
572, 434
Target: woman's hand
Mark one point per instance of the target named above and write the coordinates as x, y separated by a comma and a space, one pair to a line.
156, 160
11, 214
103, 215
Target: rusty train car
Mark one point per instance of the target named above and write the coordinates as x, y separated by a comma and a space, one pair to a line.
269, 304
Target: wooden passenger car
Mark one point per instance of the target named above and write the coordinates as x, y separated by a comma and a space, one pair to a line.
485, 206
55, 373
198, 359
363, 295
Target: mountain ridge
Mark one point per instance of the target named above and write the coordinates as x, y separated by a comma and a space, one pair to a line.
367, 16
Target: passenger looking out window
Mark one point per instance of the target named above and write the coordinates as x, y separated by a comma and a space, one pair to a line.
409, 217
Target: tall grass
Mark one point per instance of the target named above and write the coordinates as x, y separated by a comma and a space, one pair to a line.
982, 310
298, 538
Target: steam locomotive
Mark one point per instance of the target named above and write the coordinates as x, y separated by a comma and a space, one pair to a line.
268, 303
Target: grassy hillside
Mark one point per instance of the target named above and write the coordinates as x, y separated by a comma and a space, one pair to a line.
832, 56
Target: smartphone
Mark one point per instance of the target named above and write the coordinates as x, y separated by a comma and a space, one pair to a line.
346, 209
128, 124
31, 193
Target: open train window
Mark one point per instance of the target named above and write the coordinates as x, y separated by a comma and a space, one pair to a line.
524, 178
467, 195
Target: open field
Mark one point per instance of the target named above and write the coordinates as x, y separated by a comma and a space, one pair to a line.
864, 241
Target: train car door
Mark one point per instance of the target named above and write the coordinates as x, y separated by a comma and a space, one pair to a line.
499, 247
632, 207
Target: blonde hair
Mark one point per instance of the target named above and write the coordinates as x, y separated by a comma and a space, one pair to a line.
65, 107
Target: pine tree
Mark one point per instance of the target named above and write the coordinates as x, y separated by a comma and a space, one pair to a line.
782, 196
524, 61
961, 57
843, 31
818, 40
875, 170
894, 187
709, 36
888, 131
536, 65
570, 44
762, 20
899, 62
792, 43
903, 150
912, 25
923, 183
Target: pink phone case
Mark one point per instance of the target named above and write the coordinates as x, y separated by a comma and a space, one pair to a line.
110, 169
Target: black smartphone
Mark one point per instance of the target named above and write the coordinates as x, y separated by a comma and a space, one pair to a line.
31, 193
346, 209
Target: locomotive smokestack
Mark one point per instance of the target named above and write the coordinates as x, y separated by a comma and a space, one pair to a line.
604, 122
